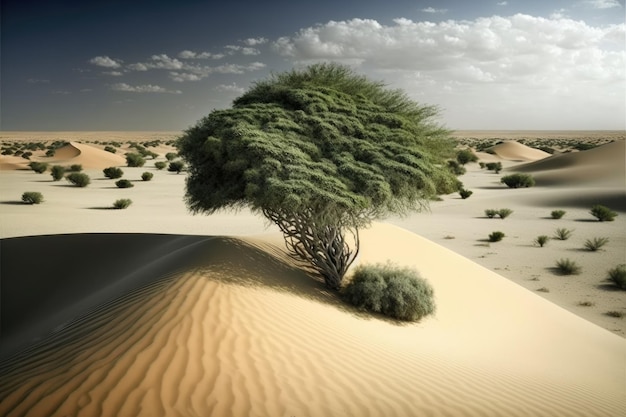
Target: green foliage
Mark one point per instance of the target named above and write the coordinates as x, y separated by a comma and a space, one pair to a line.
135, 160
113, 172
518, 180
78, 179
617, 276
124, 184
562, 234
456, 168
463, 156
496, 236
176, 166
481, 165
160, 165
491, 213
603, 213
75, 168
122, 203
322, 146
32, 197
557, 214
465, 193
615, 313
596, 243
51, 152
568, 267
494, 166
395, 292
504, 213
38, 167
109, 148
541, 240
57, 172
170, 156
147, 176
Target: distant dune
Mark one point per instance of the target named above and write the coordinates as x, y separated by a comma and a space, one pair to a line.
515, 151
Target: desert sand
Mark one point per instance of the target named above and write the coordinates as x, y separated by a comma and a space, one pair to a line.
151, 311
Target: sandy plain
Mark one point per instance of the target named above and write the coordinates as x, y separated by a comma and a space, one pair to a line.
151, 311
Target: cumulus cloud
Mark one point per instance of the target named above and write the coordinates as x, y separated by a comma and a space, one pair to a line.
244, 50
502, 3
433, 10
105, 61
186, 54
146, 88
603, 4
113, 73
185, 76
231, 88
255, 41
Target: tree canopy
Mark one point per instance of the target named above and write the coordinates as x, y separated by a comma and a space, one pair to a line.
322, 144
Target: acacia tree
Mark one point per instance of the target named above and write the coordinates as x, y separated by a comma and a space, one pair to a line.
320, 152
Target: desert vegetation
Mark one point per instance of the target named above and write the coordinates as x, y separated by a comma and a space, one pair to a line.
464, 193
123, 183
32, 197
113, 172
557, 214
122, 203
494, 166
38, 167
176, 166
518, 180
464, 156
78, 179
562, 233
617, 276
57, 172
504, 213
596, 243
566, 266
603, 213
147, 176
396, 292
496, 236
160, 165
541, 240
135, 160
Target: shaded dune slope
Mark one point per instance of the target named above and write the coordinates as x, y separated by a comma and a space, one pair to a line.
515, 151
239, 331
87, 156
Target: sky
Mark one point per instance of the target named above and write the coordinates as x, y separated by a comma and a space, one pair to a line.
75, 65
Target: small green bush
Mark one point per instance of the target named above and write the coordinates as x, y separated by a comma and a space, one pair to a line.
170, 156
463, 156
481, 165
542, 240
147, 176
456, 168
176, 166
57, 172
122, 203
135, 160
124, 184
496, 236
562, 234
113, 172
504, 213
617, 276
396, 292
615, 313
160, 165
494, 166
465, 193
32, 197
568, 267
557, 214
50, 153
518, 181
75, 168
596, 243
109, 148
491, 213
78, 179
602, 213
38, 167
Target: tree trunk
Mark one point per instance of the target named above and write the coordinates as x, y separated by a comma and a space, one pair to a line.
327, 248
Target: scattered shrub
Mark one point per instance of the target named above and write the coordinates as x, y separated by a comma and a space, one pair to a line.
75, 168
491, 213
396, 292
134, 160
596, 243
465, 193
602, 213
456, 168
541, 240
109, 148
38, 167
615, 313
122, 203
57, 172
557, 214
147, 176
32, 197
113, 172
176, 166
50, 153
494, 166
518, 180
543, 289
617, 276
496, 236
170, 156
160, 165
586, 304
124, 184
27, 155
568, 267
481, 165
464, 156
78, 179
562, 234
504, 213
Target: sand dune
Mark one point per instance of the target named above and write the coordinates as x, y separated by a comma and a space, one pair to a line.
241, 332
87, 156
515, 151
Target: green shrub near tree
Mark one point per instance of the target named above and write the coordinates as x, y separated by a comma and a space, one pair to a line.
456, 168
176, 166
504, 213
603, 213
463, 156
111, 149
147, 176
465, 193
123, 183
57, 172
160, 165
113, 172
494, 166
38, 167
395, 292
135, 160
491, 213
518, 180
32, 197
170, 156
78, 179
75, 168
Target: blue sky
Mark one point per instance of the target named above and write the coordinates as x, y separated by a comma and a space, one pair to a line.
159, 65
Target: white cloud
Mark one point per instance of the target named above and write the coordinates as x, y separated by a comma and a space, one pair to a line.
105, 61
163, 61
186, 54
255, 41
234, 88
146, 88
603, 4
502, 3
433, 10
113, 73
184, 76
244, 50
61, 92
138, 67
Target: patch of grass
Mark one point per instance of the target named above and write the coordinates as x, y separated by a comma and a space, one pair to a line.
122, 203
518, 181
615, 313
123, 183
603, 213
541, 240
562, 234
504, 213
147, 176
465, 193
568, 267
78, 179
32, 197
596, 243
617, 276
496, 236
557, 214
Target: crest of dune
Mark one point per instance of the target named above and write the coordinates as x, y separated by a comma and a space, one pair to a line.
87, 156
515, 151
